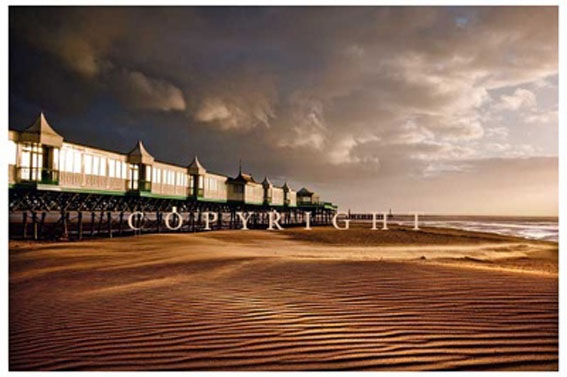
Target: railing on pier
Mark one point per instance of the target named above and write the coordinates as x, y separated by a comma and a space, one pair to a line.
368, 216
39, 175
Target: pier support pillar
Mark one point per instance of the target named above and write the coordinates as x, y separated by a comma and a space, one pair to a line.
109, 218
24, 225
80, 226
34, 226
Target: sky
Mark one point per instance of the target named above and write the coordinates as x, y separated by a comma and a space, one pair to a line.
442, 110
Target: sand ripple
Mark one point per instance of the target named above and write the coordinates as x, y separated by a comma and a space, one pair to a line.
276, 314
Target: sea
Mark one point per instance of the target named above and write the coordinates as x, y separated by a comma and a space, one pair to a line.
534, 228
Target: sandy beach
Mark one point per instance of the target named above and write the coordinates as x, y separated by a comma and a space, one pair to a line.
434, 299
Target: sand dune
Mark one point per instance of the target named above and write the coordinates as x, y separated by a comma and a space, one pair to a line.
272, 301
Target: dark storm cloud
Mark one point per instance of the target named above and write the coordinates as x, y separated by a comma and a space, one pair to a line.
322, 94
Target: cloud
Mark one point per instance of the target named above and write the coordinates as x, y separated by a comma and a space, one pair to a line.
141, 92
497, 132
213, 109
233, 114
237, 102
542, 117
435, 151
411, 133
304, 125
507, 150
511, 186
74, 35
343, 151
321, 93
521, 99
76, 53
83, 40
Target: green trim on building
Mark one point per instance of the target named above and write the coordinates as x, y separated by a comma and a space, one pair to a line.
44, 187
255, 203
92, 191
212, 200
258, 204
145, 194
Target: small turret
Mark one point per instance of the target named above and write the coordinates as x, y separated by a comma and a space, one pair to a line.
139, 155
266, 183
42, 133
195, 167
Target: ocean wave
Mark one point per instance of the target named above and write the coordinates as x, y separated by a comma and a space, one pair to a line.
538, 230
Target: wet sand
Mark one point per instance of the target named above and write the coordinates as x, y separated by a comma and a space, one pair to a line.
292, 300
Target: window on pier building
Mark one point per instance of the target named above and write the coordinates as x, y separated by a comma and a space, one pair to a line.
88, 159
31, 161
181, 179
212, 184
156, 177
55, 158
111, 166
96, 163
102, 167
63, 160
169, 177
70, 160
120, 171
133, 176
12, 152
77, 160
